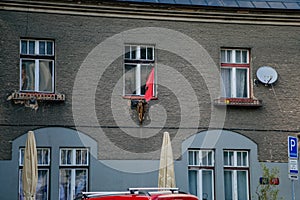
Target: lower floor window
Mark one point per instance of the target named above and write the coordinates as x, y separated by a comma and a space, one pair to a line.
42, 188
72, 182
201, 183
236, 184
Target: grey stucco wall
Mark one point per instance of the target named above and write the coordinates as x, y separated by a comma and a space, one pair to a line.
119, 175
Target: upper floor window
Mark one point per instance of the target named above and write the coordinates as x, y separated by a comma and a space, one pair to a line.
235, 67
37, 65
139, 61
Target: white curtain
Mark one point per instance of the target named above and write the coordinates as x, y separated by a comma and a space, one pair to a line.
226, 77
241, 83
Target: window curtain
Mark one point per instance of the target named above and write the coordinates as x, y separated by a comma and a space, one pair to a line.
45, 76
226, 77
41, 188
28, 75
241, 83
130, 79
65, 190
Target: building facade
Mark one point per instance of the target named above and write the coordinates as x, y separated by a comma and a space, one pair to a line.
76, 73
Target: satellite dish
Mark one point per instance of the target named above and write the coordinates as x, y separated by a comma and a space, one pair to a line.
267, 75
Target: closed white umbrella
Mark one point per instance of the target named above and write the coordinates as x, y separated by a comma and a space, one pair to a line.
30, 173
166, 176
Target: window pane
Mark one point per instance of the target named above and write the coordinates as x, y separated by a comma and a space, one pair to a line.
242, 184
81, 157
130, 79
207, 184
145, 72
196, 158
228, 56
66, 157
238, 56
149, 53
210, 158
42, 185
133, 52
49, 48
228, 158
245, 158
241, 83
143, 52
228, 185
78, 157
39, 156
223, 56
65, 190
204, 158
84, 157
45, 76
127, 52
226, 77
28, 75
46, 157
193, 182
244, 56
31, 47
21, 157
42, 48
23, 47
80, 181
191, 153
239, 158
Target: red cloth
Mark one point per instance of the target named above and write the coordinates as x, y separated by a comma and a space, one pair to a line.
149, 86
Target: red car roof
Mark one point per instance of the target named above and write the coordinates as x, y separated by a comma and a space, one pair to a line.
139, 194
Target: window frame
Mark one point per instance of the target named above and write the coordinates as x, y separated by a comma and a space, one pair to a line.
235, 168
138, 63
74, 167
41, 167
231, 63
37, 58
199, 167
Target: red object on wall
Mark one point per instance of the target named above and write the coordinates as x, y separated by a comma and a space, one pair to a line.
274, 181
149, 86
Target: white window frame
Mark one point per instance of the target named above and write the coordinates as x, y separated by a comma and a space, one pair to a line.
235, 167
42, 166
139, 63
73, 167
73, 156
196, 164
37, 58
229, 61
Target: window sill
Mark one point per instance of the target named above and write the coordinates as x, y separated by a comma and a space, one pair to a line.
243, 102
38, 96
133, 97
